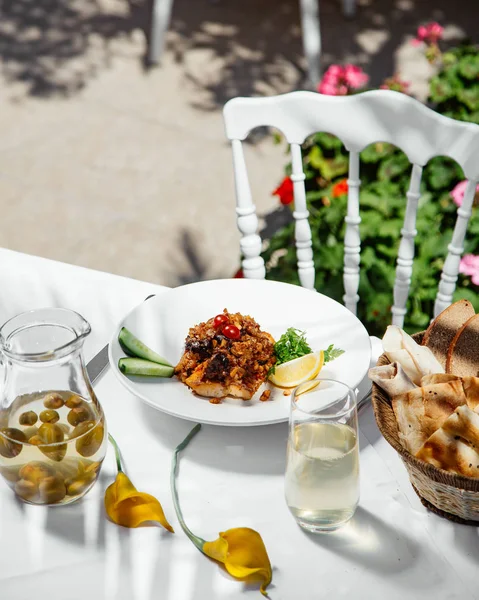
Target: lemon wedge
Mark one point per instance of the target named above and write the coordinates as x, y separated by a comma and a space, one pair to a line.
292, 373
307, 387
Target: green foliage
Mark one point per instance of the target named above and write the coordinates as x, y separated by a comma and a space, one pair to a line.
385, 173
454, 91
292, 344
331, 353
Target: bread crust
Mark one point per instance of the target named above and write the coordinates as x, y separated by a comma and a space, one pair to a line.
453, 344
440, 333
466, 305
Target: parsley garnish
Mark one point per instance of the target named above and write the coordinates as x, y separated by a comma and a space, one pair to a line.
292, 344
331, 353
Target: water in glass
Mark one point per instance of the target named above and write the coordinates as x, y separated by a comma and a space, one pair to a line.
322, 472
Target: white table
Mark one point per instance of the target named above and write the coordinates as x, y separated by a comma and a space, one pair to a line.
229, 477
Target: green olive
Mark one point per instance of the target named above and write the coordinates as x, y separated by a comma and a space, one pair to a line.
93, 467
53, 400
78, 415
36, 471
49, 416
56, 452
89, 443
28, 418
50, 433
26, 489
64, 427
74, 401
70, 468
8, 447
4, 416
30, 432
79, 486
82, 428
52, 490
35, 440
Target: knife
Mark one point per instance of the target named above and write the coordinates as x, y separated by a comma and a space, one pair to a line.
98, 364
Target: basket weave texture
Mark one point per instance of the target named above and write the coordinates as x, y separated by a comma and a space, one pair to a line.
452, 496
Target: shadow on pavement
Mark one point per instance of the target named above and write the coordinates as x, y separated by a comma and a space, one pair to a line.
58, 46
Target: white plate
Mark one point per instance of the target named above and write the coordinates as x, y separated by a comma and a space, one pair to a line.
162, 322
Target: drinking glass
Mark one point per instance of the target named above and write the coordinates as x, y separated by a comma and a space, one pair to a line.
53, 435
322, 466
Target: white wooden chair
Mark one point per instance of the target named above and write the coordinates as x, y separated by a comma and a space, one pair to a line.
161, 17
359, 120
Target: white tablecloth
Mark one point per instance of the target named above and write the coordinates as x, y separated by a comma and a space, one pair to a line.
392, 549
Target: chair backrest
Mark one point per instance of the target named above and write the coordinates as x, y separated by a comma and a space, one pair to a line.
359, 120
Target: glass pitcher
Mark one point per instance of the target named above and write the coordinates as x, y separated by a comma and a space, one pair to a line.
53, 435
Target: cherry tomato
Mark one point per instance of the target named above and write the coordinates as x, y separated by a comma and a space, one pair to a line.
231, 332
220, 320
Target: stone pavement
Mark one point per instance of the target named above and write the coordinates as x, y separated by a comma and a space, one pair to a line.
108, 165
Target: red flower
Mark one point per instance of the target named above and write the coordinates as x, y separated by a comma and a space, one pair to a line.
285, 191
340, 188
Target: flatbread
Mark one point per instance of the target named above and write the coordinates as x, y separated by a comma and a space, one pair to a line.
455, 446
438, 378
392, 379
471, 391
416, 360
421, 411
469, 384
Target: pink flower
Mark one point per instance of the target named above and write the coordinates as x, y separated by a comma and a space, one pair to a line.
334, 71
330, 89
458, 192
422, 32
469, 265
435, 31
339, 80
430, 33
355, 77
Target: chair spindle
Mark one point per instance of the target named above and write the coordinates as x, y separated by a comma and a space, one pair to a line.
450, 271
352, 239
302, 230
250, 242
405, 257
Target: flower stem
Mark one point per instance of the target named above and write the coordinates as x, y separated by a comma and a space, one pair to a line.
117, 453
197, 541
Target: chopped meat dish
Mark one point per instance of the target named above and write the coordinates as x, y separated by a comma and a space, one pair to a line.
228, 355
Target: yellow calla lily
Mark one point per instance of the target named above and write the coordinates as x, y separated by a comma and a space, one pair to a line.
126, 506
241, 550
243, 553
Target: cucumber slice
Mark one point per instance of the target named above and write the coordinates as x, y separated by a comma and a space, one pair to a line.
140, 366
132, 346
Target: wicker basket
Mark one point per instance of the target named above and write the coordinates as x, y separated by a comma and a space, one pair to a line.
455, 497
